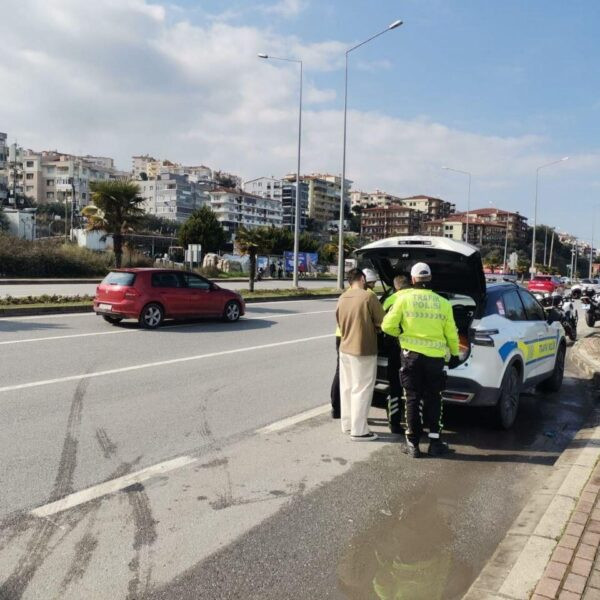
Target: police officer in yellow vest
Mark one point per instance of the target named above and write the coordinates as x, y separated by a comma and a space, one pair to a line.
371, 280
424, 323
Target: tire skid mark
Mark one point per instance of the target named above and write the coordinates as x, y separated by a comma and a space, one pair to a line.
82, 555
145, 535
39, 545
107, 447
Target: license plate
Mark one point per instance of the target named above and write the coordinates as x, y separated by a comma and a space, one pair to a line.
105, 306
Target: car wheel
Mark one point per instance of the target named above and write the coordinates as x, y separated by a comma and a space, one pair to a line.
112, 320
554, 382
152, 316
590, 318
232, 311
508, 403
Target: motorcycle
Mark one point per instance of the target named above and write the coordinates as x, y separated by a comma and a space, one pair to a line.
590, 304
565, 306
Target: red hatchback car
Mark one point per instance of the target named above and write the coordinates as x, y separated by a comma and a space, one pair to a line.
545, 283
152, 295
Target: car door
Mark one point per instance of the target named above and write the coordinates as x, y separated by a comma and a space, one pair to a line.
202, 301
543, 350
524, 332
169, 289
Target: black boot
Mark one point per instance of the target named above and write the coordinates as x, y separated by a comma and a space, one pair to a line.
438, 448
335, 414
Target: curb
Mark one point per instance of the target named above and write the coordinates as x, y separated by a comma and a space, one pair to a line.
98, 280
521, 557
55, 310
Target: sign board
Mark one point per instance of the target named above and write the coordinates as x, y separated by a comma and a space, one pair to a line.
513, 261
307, 261
532, 270
193, 253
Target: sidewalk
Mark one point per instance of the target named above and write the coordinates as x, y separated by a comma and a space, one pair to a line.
551, 551
573, 573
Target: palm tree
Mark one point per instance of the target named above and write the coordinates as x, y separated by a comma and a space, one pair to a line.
330, 249
253, 242
115, 209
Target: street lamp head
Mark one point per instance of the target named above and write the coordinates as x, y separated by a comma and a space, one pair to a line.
395, 24
261, 55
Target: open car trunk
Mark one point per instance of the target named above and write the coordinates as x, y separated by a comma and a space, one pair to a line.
457, 274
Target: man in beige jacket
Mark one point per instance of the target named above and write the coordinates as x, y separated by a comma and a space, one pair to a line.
359, 315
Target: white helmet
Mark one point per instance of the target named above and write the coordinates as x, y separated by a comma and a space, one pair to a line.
420, 271
370, 275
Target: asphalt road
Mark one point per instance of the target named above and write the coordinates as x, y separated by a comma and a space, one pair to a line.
164, 464
81, 289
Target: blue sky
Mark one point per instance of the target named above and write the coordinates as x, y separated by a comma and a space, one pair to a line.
497, 88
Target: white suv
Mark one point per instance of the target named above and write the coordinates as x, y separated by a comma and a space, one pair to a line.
507, 341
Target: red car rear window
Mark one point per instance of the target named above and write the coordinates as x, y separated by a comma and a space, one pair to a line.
119, 278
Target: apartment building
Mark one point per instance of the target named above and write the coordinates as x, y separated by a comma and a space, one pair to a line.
284, 191
481, 232
3, 166
173, 196
324, 193
267, 187
51, 176
235, 207
432, 208
389, 221
372, 199
516, 223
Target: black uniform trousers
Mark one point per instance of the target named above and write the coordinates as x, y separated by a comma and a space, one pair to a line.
335, 384
423, 379
394, 407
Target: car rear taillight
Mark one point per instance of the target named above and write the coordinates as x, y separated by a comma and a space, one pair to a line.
456, 396
483, 337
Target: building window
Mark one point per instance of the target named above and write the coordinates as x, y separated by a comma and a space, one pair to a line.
29, 188
50, 195
29, 163
29, 176
49, 182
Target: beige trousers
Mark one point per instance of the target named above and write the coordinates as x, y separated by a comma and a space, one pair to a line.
357, 380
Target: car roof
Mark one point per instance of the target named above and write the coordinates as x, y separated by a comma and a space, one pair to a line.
434, 242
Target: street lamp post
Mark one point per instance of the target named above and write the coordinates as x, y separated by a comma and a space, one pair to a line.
298, 195
537, 183
468, 195
592, 246
340, 280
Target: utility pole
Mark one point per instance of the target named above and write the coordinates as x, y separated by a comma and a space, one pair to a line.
592, 246
551, 249
545, 243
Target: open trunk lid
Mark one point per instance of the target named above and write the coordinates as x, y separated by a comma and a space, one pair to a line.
456, 267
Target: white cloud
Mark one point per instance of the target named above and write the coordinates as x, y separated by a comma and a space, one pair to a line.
286, 8
121, 77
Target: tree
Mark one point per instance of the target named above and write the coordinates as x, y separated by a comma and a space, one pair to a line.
253, 242
308, 243
115, 209
280, 239
329, 251
203, 228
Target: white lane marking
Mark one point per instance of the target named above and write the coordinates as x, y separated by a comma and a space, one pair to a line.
65, 337
289, 421
161, 363
109, 487
94, 333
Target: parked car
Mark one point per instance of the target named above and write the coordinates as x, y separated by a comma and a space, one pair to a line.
585, 284
152, 295
507, 341
546, 283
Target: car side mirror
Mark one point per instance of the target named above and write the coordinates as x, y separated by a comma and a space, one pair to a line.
553, 316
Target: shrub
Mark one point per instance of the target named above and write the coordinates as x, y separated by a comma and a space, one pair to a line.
21, 258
